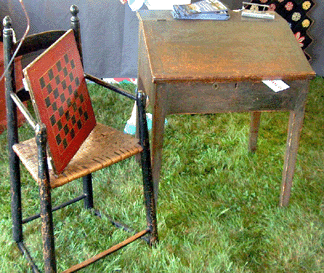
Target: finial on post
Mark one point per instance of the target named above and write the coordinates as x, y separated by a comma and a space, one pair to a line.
75, 25
7, 24
74, 11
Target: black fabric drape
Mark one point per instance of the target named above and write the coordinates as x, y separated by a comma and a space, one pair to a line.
110, 31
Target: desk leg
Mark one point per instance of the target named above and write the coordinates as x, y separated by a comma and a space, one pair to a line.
159, 113
254, 130
157, 145
294, 129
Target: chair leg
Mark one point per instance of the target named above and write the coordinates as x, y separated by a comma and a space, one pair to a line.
88, 191
46, 202
149, 199
16, 209
15, 184
147, 170
47, 228
12, 133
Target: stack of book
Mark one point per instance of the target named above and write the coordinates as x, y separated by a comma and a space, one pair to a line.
202, 10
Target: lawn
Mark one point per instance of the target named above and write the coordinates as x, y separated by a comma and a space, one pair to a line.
218, 204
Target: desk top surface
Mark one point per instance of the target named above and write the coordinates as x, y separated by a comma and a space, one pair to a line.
239, 49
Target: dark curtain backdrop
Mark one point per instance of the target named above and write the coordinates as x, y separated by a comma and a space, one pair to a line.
110, 31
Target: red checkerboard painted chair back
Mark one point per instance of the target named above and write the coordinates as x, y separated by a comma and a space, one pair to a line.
61, 100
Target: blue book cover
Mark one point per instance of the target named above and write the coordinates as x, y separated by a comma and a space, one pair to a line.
202, 10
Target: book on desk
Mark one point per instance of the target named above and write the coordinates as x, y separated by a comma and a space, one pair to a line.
202, 10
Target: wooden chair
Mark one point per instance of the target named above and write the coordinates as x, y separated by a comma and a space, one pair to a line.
102, 147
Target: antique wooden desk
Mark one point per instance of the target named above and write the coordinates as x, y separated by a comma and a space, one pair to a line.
218, 66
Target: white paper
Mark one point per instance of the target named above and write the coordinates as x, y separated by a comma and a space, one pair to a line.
165, 4
135, 4
276, 85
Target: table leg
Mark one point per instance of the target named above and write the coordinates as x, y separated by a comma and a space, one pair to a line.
160, 106
254, 130
294, 129
156, 149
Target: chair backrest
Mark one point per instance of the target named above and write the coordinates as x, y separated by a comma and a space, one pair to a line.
61, 100
18, 76
32, 44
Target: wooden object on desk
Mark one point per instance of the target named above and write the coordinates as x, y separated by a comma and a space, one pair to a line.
218, 66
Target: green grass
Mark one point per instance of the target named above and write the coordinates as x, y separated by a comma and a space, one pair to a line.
218, 205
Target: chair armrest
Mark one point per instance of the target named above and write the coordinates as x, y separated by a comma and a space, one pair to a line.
109, 86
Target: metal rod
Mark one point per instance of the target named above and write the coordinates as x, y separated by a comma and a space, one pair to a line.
120, 225
109, 86
33, 217
254, 4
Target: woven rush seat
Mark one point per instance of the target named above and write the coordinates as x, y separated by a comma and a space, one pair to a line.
101, 149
